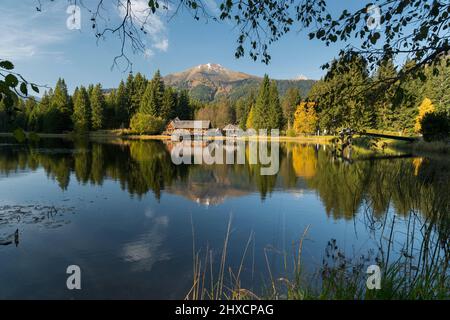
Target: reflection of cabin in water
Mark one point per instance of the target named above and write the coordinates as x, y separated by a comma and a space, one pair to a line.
231, 130
191, 126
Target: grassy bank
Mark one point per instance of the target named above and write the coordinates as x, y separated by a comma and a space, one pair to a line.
418, 147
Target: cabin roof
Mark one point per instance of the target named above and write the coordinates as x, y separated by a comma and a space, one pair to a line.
190, 124
231, 127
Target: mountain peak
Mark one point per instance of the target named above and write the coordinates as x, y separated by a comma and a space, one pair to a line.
211, 67
209, 81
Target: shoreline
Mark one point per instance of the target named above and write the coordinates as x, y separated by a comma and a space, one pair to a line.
419, 147
119, 135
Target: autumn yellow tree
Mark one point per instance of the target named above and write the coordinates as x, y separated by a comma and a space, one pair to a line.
305, 118
425, 107
250, 119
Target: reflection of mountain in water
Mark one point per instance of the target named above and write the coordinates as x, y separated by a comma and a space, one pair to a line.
141, 166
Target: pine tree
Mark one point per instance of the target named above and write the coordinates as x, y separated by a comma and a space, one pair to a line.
129, 87
61, 102
242, 107
31, 109
169, 104
138, 87
437, 86
50, 115
121, 106
260, 119
184, 111
289, 104
110, 108
384, 94
97, 103
151, 102
409, 95
275, 113
81, 111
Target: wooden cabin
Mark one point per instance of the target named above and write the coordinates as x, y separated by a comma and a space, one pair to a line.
191, 126
231, 130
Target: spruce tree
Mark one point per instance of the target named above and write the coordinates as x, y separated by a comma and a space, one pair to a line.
61, 102
149, 102
260, 119
184, 110
274, 113
169, 104
97, 102
121, 106
81, 111
384, 95
291, 100
138, 87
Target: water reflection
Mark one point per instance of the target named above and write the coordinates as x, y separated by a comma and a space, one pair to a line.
141, 166
372, 192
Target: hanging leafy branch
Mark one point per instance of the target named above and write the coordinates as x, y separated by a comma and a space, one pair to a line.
385, 28
13, 85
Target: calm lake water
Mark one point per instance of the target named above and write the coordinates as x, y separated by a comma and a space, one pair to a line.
130, 218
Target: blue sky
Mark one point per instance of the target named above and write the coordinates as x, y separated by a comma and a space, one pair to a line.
43, 48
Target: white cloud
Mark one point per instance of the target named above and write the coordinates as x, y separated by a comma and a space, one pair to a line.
213, 7
152, 22
25, 35
163, 45
147, 249
148, 53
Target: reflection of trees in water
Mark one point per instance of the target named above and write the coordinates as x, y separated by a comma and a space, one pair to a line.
385, 192
141, 166
380, 184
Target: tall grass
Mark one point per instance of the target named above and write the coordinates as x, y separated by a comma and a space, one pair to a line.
425, 276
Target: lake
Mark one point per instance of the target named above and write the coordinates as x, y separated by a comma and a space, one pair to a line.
134, 221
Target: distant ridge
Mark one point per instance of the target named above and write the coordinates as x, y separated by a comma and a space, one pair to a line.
210, 81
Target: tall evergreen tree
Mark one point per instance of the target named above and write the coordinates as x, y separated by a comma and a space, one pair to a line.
151, 101
409, 95
97, 103
184, 110
383, 95
437, 86
150, 104
243, 106
274, 113
137, 88
110, 108
262, 105
81, 111
290, 102
169, 104
61, 102
121, 115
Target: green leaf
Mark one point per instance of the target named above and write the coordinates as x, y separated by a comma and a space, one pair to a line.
35, 88
23, 88
6, 65
11, 80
